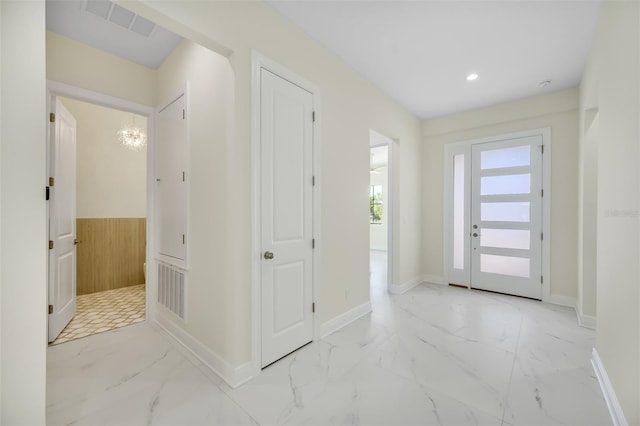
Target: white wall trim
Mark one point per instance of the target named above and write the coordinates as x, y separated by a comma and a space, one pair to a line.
406, 286
586, 321
434, 279
557, 299
66, 90
234, 376
259, 61
615, 410
344, 319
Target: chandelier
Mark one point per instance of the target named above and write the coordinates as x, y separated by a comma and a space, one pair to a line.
132, 137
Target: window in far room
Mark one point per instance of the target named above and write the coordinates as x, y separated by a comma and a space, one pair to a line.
375, 204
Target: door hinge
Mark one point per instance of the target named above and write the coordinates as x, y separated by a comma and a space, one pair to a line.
313, 181
184, 114
52, 117
313, 116
541, 279
542, 192
542, 236
183, 178
313, 243
50, 309
542, 148
50, 245
313, 307
51, 181
46, 196
182, 238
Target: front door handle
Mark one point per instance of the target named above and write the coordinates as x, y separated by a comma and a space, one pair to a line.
268, 255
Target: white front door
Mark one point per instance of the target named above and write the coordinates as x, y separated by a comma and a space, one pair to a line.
286, 142
506, 216
62, 220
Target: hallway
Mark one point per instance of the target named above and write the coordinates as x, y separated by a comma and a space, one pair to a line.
435, 355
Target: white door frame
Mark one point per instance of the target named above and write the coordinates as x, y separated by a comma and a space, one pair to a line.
451, 149
389, 143
69, 91
258, 62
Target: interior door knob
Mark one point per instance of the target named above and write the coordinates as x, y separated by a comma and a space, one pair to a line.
475, 234
268, 255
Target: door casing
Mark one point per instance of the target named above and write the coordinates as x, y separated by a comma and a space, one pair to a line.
450, 150
258, 62
66, 90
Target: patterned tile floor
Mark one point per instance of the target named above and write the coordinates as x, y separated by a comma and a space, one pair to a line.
103, 311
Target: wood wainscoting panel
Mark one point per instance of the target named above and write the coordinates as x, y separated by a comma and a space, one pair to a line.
111, 252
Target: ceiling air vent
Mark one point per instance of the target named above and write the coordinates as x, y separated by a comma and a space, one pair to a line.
120, 16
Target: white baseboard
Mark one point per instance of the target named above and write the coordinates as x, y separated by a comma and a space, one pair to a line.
615, 410
344, 319
234, 376
586, 321
434, 279
557, 299
405, 287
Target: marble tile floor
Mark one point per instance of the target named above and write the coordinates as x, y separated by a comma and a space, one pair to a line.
104, 311
434, 355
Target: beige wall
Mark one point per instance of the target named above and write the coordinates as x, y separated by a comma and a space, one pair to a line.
111, 179
79, 65
212, 234
557, 111
611, 86
350, 107
23, 277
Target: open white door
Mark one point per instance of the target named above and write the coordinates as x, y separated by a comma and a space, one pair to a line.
286, 143
62, 219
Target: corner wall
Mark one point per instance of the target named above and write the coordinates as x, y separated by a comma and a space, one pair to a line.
23, 263
611, 86
559, 111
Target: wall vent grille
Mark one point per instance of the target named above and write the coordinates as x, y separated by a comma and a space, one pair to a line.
172, 289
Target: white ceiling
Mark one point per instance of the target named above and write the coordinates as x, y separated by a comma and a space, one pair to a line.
111, 28
420, 52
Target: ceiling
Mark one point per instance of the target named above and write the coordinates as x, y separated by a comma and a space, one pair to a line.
420, 52
111, 28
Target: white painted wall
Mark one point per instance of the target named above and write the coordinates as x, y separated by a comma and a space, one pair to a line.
23, 263
111, 179
611, 83
213, 239
559, 111
378, 232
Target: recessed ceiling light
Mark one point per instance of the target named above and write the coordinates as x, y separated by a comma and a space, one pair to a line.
472, 76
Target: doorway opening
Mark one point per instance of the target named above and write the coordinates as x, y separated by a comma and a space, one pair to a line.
105, 278
380, 213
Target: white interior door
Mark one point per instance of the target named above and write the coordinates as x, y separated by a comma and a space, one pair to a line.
171, 189
506, 216
62, 220
286, 142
